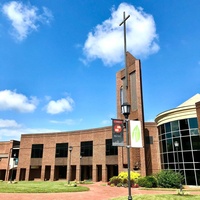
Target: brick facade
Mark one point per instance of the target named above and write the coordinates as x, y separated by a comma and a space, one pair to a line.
100, 166
74, 138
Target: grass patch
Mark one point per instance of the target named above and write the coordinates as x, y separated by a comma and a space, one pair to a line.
171, 189
40, 187
85, 182
161, 197
158, 189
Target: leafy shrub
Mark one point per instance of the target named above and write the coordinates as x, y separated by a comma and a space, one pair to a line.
169, 179
119, 184
142, 181
148, 182
151, 182
125, 185
122, 178
115, 180
133, 177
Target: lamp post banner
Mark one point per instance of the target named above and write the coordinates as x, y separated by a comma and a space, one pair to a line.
117, 132
136, 134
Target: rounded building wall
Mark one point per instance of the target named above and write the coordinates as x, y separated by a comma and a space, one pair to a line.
181, 125
176, 114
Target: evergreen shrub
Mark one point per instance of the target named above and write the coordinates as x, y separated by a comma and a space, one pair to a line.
169, 179
148, 182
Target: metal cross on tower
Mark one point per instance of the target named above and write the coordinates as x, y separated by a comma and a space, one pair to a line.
126, 70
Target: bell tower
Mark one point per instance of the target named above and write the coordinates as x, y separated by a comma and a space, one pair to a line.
131, 77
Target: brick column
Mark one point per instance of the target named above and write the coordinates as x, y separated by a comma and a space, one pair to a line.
52, 173
78, 173
104, 173
27, 174
42, 172
17, 174
94, 173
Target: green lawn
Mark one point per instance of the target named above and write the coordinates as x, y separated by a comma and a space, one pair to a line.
39, 187
161, 197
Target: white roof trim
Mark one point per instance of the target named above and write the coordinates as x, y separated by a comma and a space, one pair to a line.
191, 101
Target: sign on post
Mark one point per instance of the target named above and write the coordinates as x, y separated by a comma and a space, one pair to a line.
136, 134
117, 132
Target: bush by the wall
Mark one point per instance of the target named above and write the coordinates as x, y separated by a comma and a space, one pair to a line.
148, 182
122, 178
169, 179
115, 180
151, 182
142, 181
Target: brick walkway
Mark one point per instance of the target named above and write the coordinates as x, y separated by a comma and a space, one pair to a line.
97, 192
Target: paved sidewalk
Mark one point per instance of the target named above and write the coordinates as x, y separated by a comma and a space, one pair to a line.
97, 191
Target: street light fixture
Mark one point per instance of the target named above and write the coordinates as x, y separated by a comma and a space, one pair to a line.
69, 165
126, 109
80, 167
70, 149
176, 144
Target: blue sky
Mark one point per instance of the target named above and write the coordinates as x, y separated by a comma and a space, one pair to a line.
58, 60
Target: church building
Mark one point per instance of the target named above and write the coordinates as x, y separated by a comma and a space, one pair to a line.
90, 154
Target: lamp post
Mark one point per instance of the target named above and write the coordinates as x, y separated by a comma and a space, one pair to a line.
176, 144
125, 109
69, 164
80, 167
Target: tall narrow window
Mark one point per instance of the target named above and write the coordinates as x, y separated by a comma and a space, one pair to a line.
121, 95
133, 91
37, 151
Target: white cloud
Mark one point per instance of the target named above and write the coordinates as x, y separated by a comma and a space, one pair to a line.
10, 100
67, 121
59, 106
4, 123
150, 120
7, 134
10, 134
25, 18
106, 41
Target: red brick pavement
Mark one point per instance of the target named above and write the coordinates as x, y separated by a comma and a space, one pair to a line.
97, 191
